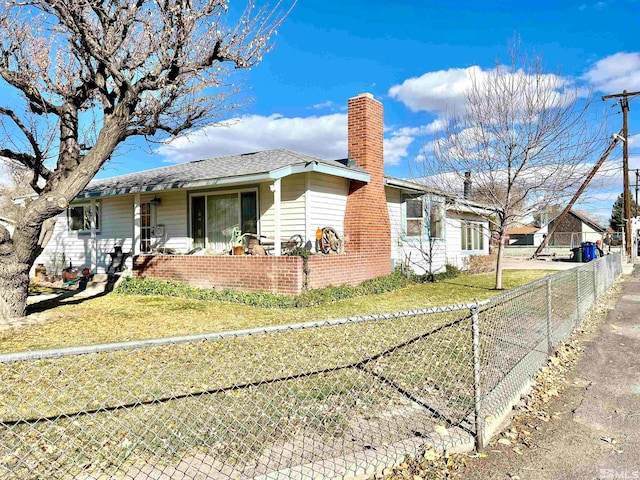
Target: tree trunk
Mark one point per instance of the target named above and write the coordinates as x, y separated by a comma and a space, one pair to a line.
14, 280
499, 262
17, 256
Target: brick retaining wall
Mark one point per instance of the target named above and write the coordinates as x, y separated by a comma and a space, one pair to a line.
254, 273
241, 272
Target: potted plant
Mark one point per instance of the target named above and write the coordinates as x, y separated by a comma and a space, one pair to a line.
237, 242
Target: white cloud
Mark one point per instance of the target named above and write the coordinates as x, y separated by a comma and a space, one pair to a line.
436, 91
634, 140
437, 125
396, 146
617, 72
325, 105
323, 136
445, 91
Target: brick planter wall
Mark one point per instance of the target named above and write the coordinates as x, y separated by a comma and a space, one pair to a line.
325, 270
241, 272
253, 273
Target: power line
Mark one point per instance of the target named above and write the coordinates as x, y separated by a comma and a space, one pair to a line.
624, 105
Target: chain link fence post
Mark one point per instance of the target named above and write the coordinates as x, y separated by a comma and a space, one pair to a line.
476, 378
549, 339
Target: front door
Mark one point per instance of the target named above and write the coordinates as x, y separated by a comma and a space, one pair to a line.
145, 227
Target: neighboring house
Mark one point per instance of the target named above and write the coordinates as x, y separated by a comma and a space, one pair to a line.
576, 227
8, 224
524, 235
274, 194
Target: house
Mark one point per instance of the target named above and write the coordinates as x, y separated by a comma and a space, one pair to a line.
576, 227
523, 235
274, 194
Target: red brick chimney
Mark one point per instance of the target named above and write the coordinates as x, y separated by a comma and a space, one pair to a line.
366, 226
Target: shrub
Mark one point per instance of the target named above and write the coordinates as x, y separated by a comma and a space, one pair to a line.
320, 296
480, 264
451, 271
303, 252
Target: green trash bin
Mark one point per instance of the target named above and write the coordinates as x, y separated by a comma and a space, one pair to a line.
577, 254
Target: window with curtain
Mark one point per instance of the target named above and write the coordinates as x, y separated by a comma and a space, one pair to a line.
214, 216
414, 218
436, 217
223, 215
80, 217
472, 236
423, 217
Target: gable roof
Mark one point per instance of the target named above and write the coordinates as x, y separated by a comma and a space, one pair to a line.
523, 230
583, 218
246, 167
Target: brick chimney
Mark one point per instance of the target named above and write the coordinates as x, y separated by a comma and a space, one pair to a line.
367, 228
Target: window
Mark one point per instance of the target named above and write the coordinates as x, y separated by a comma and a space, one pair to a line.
414, 217
80, 217
436, 218
417, 224
214, 216
472, 236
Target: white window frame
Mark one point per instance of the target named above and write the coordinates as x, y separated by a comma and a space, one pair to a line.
477, 232
428, 230
94, 216
407, 219
437, 204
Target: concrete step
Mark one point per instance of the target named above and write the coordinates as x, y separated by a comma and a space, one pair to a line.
99, 278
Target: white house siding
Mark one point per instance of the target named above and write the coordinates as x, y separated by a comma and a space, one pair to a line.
454, 241
455, 255
292, 207
116, 229
172, 216
327, 203
589, 234
412, 252
394, 207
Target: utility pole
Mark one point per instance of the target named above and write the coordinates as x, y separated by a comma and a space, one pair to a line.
624, 105
574, 199
637, 178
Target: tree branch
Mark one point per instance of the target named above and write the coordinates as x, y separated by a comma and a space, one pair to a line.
37, 154
37, 103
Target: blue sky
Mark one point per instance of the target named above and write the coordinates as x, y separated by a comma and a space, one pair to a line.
328, 51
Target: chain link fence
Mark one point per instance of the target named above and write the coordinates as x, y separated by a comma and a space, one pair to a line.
326, 399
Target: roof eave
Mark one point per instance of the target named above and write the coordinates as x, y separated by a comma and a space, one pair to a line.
408, 185
238, 180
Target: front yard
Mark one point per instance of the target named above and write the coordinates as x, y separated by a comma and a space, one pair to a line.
116, 318
253, 403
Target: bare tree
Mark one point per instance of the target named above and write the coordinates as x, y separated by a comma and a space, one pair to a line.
524, 134
89, 74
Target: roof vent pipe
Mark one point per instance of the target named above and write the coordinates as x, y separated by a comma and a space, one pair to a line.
467, 185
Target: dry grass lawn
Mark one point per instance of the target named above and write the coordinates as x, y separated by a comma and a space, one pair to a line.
115, 318
111, 414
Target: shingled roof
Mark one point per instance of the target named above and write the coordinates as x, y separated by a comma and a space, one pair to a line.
222, 170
